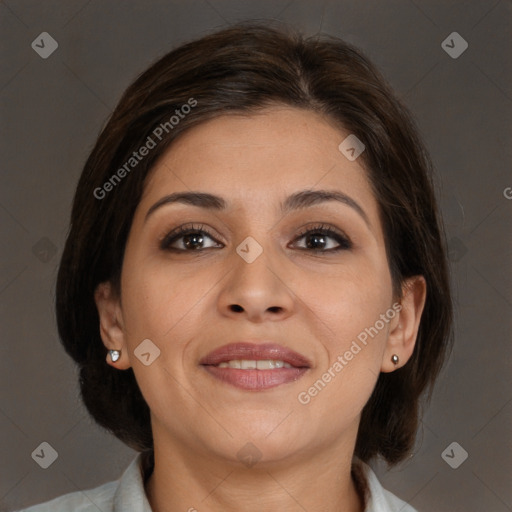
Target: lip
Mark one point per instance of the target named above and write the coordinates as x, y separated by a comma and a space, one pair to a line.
256, 352
255, 379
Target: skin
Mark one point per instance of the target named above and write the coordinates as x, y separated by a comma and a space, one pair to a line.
313, 302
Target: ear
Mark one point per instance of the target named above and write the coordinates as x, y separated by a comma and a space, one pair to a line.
112, 329
404, 327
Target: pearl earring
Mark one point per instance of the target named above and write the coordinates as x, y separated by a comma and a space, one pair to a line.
114, 355
394, 359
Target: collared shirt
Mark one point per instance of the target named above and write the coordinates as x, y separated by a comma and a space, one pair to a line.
128, 495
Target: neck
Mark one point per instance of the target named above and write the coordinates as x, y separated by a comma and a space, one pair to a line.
184, 479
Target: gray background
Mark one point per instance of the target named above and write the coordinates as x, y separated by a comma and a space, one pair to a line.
51, 112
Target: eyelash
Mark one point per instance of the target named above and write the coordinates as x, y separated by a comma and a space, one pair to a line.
343, 241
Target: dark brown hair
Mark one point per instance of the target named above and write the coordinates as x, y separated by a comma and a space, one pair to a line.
241, 70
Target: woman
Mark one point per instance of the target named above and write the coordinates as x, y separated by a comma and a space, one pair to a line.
255, 284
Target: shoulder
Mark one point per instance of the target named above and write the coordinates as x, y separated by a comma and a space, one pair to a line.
81, 501
124, 495
379, 499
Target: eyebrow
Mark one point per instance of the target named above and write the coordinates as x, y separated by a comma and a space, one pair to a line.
297, 201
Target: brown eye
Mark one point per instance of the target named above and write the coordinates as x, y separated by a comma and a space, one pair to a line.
318, 239
187, 240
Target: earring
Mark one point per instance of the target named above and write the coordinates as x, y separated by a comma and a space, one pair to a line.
394, 359
114, 355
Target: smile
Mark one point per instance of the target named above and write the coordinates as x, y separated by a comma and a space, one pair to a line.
246, 364
255, 367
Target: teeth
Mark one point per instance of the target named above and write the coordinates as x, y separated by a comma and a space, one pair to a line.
247, 364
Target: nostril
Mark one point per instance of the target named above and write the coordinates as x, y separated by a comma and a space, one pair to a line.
237, 308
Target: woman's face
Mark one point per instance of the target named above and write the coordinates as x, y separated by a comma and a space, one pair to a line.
257, 266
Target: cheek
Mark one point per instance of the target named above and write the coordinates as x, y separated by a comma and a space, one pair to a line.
345, 303
158, 302
347, 311
353, 349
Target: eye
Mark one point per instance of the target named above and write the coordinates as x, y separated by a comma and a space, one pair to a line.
319, 238
189, 239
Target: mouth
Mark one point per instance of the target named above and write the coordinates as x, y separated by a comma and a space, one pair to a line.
255, 367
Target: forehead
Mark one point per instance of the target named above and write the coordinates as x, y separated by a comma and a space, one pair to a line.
260, 157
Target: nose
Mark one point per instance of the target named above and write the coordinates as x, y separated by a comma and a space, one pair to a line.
259, 291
